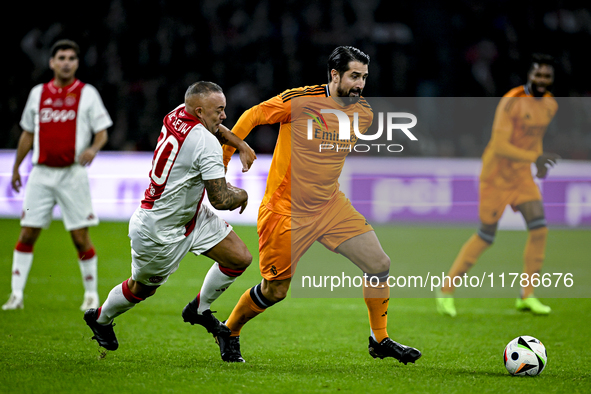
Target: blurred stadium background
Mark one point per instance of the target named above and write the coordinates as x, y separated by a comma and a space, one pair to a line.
142, 55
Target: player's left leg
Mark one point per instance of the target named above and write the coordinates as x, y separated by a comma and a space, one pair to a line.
252, 303
533, 255
231, 258
366, 252
121, 298
73, 197
88, 262
255, 301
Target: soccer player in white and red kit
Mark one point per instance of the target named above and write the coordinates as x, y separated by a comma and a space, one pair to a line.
65, 123
172, 221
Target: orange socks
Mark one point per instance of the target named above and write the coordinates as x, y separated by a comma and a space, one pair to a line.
251, 304
377, 299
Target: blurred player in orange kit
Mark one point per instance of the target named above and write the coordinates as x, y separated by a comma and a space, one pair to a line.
65, 124
303, 204
521, 119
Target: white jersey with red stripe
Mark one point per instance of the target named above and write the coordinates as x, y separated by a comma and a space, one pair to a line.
63, 121
186, 154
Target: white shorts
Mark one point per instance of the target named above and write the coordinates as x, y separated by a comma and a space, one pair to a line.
67, 187
152, 263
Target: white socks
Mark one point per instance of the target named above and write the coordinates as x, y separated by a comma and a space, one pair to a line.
21, 265
88, 269
214, 284
115, 304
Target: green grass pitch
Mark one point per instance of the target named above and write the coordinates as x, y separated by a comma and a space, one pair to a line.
300, 345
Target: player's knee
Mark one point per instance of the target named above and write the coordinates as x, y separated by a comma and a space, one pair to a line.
382, 264
29, 235
239, 260
487, 234
277, 295
244, 259
276, 291
140, 290
539, 224
81, 239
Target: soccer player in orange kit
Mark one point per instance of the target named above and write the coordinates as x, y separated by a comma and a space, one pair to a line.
303, 195
520, 122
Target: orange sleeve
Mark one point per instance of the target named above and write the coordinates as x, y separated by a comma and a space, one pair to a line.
502, 130
272, 111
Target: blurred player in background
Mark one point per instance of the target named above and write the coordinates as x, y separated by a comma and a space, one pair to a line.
521, 119
325, 215
65, 123
171, 220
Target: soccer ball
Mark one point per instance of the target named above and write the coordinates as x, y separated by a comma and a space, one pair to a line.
525, 355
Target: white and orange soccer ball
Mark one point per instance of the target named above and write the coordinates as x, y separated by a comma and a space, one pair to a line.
525, 355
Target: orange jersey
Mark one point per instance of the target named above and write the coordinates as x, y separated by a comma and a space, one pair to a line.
299, 168
518, 129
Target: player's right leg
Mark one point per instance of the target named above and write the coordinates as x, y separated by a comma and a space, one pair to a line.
38, 203
533, 255
22, 259
231, 258
491, 205
465, 260
365, 251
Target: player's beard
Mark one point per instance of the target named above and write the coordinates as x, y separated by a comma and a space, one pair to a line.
346, 95
536, 93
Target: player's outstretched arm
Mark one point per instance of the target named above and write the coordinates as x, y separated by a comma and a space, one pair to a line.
544, 162
224, 196
247, 155
251, 118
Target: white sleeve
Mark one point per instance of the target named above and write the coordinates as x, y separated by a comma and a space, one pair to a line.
28, 120
98, 116
210, 159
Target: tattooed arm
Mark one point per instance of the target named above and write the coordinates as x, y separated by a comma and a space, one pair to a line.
224, 196
247, 155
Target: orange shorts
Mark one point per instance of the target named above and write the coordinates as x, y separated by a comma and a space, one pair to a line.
493, 200
284, 239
